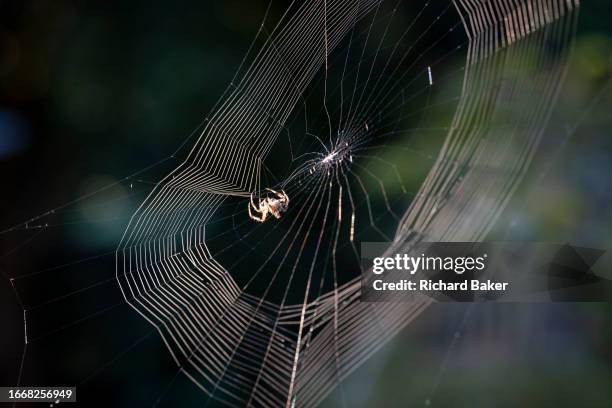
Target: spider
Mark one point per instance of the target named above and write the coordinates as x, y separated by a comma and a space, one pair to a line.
276, 206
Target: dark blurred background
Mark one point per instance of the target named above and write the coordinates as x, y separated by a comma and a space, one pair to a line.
96, 101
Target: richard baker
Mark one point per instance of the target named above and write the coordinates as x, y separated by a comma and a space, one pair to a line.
448, 268
428, 285
474, 285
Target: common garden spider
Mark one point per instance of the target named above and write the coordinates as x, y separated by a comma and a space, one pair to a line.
276, 206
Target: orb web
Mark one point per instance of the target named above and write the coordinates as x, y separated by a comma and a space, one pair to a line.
381, 121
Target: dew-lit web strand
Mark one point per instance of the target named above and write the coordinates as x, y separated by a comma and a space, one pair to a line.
326, 52
352, 37
39, 228
93, 285
416, 76
57, 210
335, 281
389, 81
453, 344
368, 80
231, 266
377, 106
263, 297
447, 355
25, 329
365, 43
281, 242
53, 211
365, 140
355, 10
399, 41
349, 117
297, 348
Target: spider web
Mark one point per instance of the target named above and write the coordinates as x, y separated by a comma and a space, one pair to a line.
271, 319
382, 121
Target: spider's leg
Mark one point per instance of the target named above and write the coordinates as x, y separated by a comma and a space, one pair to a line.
253, 204
254, 217
273, 191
